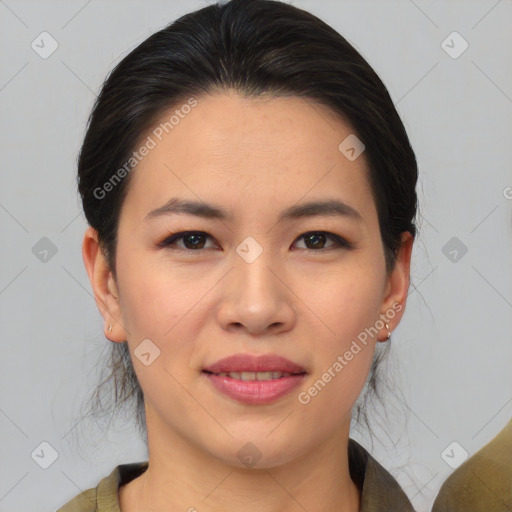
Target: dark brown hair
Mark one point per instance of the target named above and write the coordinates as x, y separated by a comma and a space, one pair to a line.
254, 47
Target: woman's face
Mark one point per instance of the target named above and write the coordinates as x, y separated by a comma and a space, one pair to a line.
251, 283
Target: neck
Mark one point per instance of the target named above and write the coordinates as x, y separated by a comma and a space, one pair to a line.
181, 476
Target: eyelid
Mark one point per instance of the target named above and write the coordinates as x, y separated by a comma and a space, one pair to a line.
339, 241
179, 235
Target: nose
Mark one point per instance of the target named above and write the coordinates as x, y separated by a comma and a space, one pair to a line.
256, 298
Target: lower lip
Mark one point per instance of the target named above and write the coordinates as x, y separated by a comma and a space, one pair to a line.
254, 391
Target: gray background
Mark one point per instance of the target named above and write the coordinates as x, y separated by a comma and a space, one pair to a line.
451, 355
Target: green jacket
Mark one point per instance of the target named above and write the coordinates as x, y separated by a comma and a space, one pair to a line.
483, 483
380, 492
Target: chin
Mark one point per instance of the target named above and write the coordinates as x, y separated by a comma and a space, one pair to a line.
259, 451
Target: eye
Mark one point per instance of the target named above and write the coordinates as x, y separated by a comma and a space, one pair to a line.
195, 240
316, 238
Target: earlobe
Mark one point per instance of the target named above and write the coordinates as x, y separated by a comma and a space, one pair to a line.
103, 285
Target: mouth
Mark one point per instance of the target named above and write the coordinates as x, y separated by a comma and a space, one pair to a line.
250, 379
267, 366
257, 376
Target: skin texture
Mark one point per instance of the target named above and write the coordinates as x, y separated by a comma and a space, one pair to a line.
254, 158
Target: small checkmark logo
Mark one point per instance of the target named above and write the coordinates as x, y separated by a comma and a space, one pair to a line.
454, 45
44, 45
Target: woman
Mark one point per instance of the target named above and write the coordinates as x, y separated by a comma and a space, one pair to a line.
250, 190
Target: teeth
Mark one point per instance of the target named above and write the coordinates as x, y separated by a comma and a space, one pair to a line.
264, 375
254, 375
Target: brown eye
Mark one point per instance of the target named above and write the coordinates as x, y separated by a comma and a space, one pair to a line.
315, 240
192, 240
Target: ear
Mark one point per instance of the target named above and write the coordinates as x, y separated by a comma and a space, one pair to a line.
397, 284
103, 285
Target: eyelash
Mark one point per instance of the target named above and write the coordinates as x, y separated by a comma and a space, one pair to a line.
340, 243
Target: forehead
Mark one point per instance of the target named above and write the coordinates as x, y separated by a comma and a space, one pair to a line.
246, 153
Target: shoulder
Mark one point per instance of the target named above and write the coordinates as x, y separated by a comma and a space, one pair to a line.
380, 492
84, 502
483, 482
104, 497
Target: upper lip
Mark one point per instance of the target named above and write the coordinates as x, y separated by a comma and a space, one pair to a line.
250, 363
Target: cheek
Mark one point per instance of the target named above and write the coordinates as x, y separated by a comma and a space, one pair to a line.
330, 397
345, 349
346, 301
153, 298
164, 306
348, 308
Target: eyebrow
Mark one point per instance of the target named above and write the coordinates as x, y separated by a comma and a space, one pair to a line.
328, 207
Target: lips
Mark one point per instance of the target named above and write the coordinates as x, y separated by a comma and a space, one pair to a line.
246, 365
260, 376
255, 380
